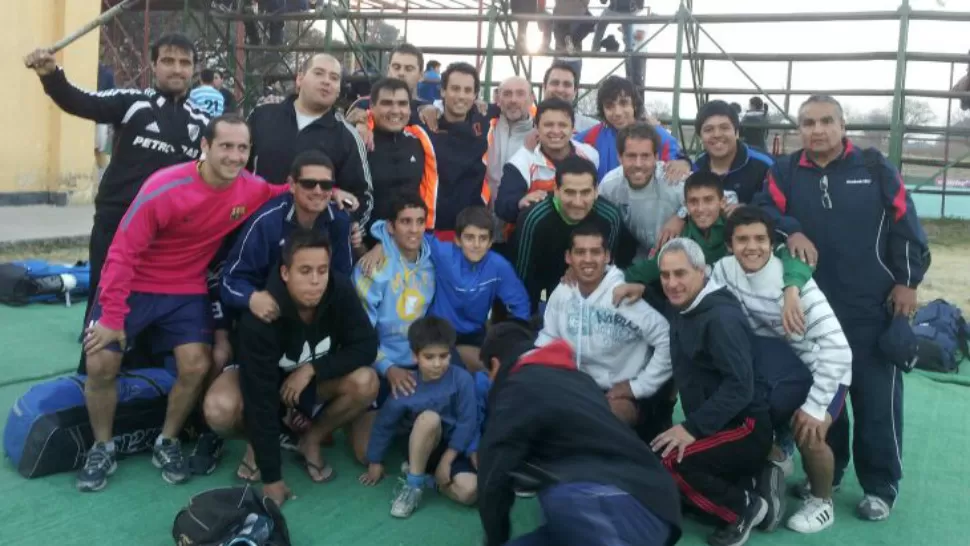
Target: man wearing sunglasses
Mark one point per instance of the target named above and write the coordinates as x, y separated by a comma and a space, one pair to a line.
257, 249
847, 210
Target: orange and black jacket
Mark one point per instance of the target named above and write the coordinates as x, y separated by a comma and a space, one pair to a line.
403, 162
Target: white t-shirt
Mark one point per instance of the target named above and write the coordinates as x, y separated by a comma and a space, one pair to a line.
303, 120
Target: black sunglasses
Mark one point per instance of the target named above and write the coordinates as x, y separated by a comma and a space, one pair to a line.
310, 183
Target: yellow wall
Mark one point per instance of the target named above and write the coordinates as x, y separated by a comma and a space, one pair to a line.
45, 150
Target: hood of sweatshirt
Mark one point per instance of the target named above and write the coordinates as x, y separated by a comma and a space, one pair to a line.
393, 255
710, 296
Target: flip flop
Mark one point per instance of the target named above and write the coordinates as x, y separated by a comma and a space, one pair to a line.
326, 471
254, 475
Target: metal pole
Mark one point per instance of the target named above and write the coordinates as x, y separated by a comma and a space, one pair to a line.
489, 50
145, 57
946, 141
788, 88
478, 38
185, 17
899, 108
682, 21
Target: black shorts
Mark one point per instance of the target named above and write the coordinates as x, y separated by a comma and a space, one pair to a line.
473, 339
461, 464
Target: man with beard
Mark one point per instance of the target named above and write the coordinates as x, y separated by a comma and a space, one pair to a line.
640, 188
155, 281
154, 128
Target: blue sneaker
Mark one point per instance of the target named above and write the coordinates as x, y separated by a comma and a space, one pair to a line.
98, 465
167, 456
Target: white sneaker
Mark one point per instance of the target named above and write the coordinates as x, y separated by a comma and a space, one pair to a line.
815, 515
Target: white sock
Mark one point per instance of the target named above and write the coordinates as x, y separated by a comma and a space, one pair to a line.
158, 441
109, 446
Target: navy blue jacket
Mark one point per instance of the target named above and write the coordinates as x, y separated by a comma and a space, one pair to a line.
868, 240
747, 174
713, 364
260, 243
459, 148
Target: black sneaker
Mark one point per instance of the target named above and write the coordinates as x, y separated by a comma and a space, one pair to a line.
205, 457
771, 487
98, 465
736, 534
167, 456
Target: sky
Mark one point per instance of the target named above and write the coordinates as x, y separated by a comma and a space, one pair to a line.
815, 37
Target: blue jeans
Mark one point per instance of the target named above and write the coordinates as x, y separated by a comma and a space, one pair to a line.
590, 514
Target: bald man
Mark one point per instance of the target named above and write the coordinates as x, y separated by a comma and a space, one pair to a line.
509, 130
310, 121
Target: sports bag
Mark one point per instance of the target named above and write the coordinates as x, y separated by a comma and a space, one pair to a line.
37, 281
230, 516
48, 430
942, 333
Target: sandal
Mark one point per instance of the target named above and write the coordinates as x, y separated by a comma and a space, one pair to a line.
253, 472
326, 472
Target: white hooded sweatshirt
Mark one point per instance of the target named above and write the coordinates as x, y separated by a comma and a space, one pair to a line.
612, 344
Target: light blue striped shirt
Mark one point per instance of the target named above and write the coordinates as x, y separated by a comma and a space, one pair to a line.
208, 99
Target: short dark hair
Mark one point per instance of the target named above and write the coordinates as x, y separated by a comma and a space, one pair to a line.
308, 62
555, 105
746, 215
474, 216
574, 164
703, 179
587, 228
405, 201
640, 130
756, 103
560, 65
175, 40
461, 68
309, 158
388, 84
612, 89
431, 332
716, 108
405, 48
432, 65
209, 133
207, 76
303, 238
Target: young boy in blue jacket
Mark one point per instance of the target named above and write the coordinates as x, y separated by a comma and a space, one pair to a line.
469, 277
444, 411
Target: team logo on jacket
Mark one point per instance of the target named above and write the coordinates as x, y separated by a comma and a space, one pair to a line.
306, 355
237, 212
193, 132
410, 305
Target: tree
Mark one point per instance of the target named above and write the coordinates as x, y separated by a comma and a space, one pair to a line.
658, 109
918, 112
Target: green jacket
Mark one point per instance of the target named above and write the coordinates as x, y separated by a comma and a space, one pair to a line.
797, 272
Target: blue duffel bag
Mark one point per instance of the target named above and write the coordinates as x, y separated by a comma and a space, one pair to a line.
48, 430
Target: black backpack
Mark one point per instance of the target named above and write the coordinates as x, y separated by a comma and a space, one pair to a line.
215, 516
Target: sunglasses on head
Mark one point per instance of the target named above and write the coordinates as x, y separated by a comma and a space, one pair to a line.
310, 183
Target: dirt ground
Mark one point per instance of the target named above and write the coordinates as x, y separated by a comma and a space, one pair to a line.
947, 278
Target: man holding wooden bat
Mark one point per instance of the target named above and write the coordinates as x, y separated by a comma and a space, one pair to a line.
154, 128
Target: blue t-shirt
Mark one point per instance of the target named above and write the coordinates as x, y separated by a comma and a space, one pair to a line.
208, 99
429, 88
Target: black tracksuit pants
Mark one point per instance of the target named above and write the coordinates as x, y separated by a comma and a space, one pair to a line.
715, 469
877, 407
102, 233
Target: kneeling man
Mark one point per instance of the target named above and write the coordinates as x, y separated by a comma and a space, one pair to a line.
625, 349
315, 358
726, 434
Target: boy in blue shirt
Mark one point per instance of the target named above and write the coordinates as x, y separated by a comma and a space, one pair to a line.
444, 411
469, 277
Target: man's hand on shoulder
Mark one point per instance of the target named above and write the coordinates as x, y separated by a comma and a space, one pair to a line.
802, 248
263, 306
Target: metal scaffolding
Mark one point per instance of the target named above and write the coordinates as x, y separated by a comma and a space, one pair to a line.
222, 34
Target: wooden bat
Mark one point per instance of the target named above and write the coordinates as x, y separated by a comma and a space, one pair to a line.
91, 25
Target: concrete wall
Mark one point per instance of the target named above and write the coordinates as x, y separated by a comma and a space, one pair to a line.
45, 151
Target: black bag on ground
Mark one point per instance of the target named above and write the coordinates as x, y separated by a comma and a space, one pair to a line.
48, 429
230, 516
943, 336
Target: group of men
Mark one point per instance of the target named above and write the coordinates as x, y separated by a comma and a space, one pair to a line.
353, 285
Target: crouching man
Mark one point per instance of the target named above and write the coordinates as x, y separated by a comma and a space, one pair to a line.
550, 429
625, 349
315, 358
724, 441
